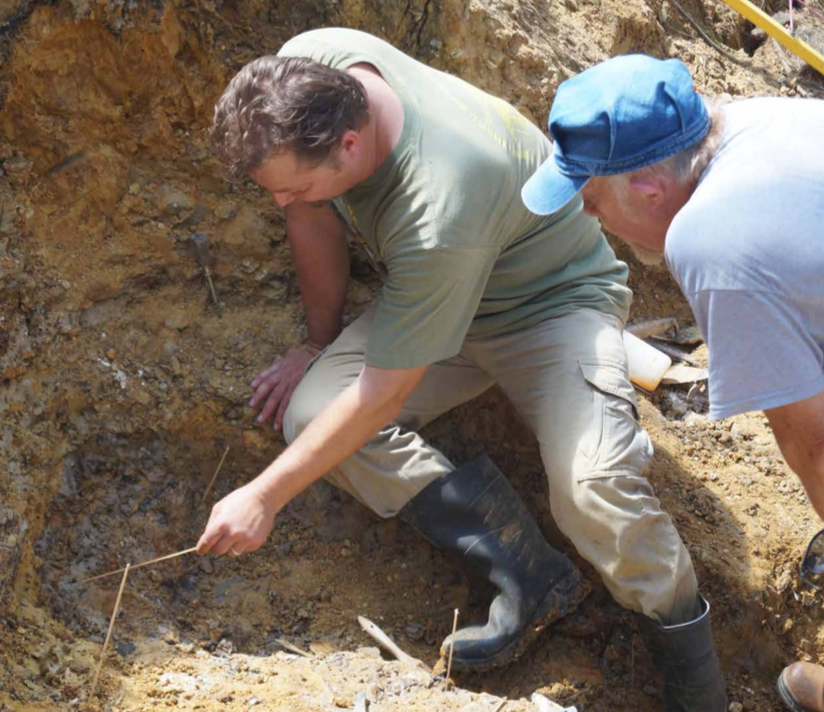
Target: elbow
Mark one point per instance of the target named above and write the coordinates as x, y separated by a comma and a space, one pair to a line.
385, 392
391, 403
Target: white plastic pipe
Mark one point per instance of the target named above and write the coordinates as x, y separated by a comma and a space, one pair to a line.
647, 365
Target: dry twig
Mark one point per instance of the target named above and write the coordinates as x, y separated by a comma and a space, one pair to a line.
292, 648
214, 476
382, 638
109, 632
145, 563
451, 647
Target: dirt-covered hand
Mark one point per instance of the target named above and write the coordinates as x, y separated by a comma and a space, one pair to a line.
239, 523
274, 386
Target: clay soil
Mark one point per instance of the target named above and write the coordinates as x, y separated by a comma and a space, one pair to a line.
122, 384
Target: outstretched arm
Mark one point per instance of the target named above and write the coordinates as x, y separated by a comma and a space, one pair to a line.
242, 521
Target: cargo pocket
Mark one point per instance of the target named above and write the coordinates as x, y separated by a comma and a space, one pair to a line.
623, 444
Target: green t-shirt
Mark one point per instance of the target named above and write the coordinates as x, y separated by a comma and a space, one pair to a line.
461, 256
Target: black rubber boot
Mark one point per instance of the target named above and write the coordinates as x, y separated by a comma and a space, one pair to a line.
474, 512
685, 655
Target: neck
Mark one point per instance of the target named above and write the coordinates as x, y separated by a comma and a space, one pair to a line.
678, 198
383, 132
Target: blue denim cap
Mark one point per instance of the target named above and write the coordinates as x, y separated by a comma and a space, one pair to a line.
616, 117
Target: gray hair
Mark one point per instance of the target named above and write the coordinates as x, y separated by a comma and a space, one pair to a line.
688, 165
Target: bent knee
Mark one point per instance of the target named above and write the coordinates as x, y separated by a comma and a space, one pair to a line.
303, 408
603, 503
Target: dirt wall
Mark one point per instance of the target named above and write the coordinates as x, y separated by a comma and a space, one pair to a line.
121, 382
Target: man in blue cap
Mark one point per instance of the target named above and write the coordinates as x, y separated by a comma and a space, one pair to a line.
732, 197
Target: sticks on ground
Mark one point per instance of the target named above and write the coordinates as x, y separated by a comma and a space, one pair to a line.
145, 563
214, 476
292, 648
451, 647
382, 638
109, 632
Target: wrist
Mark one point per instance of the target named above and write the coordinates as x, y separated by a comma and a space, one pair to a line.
314, 347
266, 492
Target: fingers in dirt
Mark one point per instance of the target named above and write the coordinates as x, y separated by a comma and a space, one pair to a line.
262, 391
263, 375
275, 398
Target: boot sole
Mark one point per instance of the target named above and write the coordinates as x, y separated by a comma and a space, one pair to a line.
563, 598
786, 696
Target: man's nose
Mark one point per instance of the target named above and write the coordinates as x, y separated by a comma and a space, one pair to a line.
283, 199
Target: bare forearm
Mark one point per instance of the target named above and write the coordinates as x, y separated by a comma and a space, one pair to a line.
810, 471
321, 259
799, 431
343, 427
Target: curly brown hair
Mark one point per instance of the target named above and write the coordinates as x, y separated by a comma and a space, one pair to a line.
277, 104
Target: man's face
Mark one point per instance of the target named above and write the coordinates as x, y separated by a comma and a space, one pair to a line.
628, 214
291, 180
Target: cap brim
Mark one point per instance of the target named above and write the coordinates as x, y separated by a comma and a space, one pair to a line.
548, 190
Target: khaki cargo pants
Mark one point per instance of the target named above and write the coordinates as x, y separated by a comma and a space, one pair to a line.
568, 379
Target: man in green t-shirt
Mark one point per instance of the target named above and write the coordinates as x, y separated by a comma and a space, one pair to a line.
349, 134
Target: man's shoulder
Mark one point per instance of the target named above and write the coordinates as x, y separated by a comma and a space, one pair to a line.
341, 40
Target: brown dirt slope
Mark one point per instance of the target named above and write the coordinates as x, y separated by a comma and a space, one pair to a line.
121, 384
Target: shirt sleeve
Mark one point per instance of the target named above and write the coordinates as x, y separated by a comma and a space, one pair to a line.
429, 299
761, 353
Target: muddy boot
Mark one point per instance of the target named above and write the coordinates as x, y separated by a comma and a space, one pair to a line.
801, 687
474, 512
685, 655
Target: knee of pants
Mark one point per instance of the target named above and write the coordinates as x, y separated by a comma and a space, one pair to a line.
598, 502
302, 410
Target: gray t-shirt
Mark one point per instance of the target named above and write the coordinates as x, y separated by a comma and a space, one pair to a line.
748, 252
461, 256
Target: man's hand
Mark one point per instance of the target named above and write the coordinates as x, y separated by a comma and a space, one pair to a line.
239, 523
276, 384
242, 521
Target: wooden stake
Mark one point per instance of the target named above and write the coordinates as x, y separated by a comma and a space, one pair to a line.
214, 476
109, 632
145, 563
451, 647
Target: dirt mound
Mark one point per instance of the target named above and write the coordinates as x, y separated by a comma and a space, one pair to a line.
122, 384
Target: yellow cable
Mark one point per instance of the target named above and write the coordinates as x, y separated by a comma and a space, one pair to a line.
773, 29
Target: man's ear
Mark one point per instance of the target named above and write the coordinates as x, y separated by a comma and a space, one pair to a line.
350, 142
653, 187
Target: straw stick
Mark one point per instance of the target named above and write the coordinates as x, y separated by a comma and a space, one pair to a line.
371, 629
109, 632
451, 646
212, 288
145, 563
293, 648
214, 476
